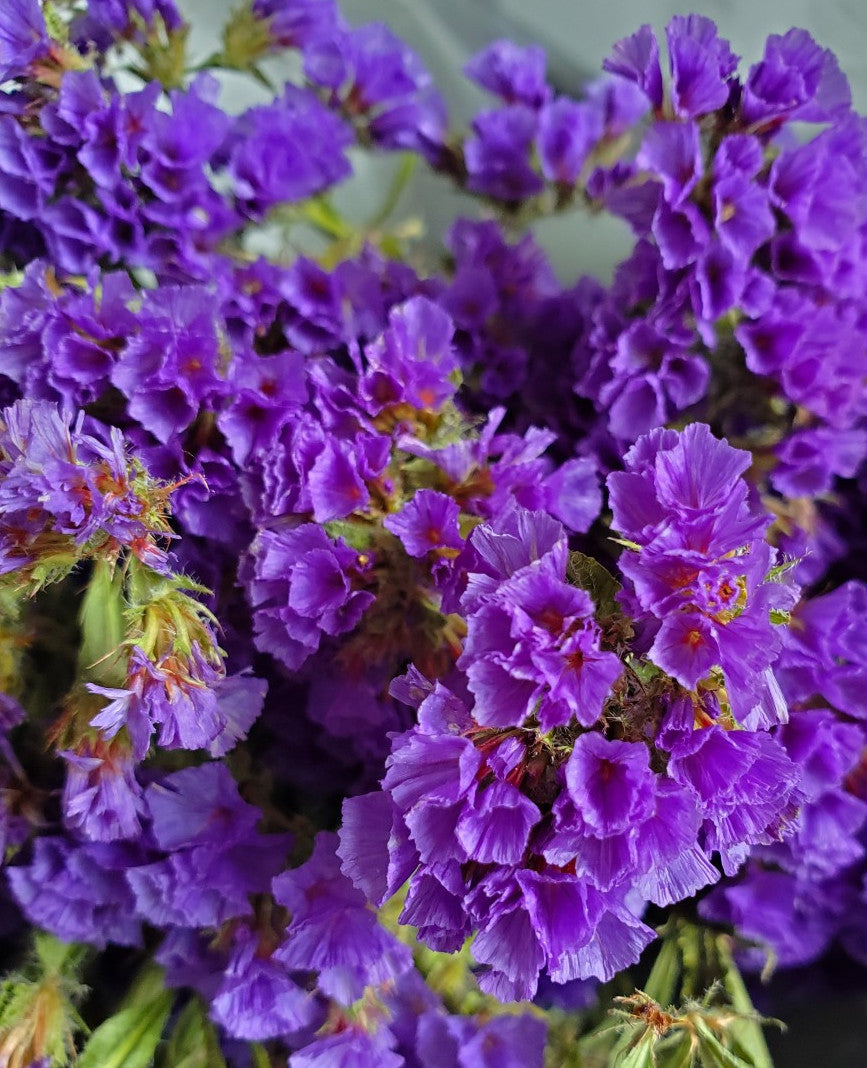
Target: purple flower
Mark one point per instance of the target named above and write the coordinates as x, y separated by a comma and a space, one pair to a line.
497, 154
336, 487
177, 695
240, 699
573, 494
176, 146
264, 396
505, 1042
688, 510
351, 1048
610, 782
747, 786
199, 806
377, 76
796, 79
169, 368
515, 74
59, 481
23, 36
78, 892
107, 19
101, 798
773, 909
290, 619
621, 103
214, 858
672, 151
535, 647
809, 460
701, 65
287, 151
568, 133
637, 58
823, 654
427, 523
495, 830
820, 188
720, 277
333, 931
298, 23
28, 173
257, 999
742, 214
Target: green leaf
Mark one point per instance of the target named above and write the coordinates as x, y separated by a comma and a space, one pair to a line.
588, 574
677, 1054
129, 1038
357, 535
101, 656
58, 28
641, 1055
56, 957
400, 180
662, 982
712, 1052
746, 1033
260, 1056
627, 544
193, 1042
319, 212
246, 39
38, 1017
10, 279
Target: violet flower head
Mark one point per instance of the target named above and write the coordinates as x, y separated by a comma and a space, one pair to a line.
23, 36
637, 58
199, 806
29, 169
79, 892
107, 21
516, 75
672, 150
533, 648
287, 151
824, 654
59, 480
568, 133
376, 76
303, 586
212, 859
333, 931
795, 80
257, 999
101, 798
429, 522
498, 153
702, 564
702, 65
298, 23
170, 367
610, 782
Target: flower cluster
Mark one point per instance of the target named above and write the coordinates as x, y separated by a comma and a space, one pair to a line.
584, 767
359, 555
69, 495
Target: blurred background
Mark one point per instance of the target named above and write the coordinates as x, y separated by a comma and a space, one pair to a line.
825, 1006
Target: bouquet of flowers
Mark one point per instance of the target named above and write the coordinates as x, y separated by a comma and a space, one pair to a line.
408, 658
